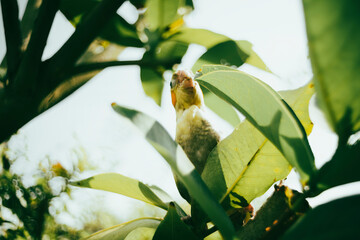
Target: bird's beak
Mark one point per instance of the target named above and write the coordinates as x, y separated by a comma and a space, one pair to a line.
173, 98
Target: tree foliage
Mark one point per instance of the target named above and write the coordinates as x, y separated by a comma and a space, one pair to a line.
260, 151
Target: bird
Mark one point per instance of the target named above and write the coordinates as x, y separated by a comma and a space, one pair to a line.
194, 132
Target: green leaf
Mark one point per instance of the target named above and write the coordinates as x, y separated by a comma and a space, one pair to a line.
333, 34
181, 166
123, 231
226, 53
222, 108
118, 30
173, 228
161, 13
245, 164
343, 168
117, 183
166, 54
170, 51
253, 58
237, 52
334, 220
152, 83
202, 37
143, 233
221, 50
268, 112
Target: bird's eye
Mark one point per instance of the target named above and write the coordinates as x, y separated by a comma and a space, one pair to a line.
171, 84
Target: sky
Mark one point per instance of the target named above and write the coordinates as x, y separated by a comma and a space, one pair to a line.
85, 124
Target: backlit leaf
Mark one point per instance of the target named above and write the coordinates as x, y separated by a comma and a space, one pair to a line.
268, 112
333, 29
245, 164
122, 231
117, 183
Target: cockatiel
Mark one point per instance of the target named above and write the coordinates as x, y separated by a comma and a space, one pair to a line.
194, 132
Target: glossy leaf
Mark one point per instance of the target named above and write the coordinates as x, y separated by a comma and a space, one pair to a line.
333, 34
334, 220
122, 231
343, 168
268, 112
117, 183
118, 30
245, 164
173, 228
181, 166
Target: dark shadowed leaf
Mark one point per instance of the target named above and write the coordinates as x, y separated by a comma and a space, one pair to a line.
253, 58
118, 30
117, 183
172, 228
333, 29
226, 53
181, 166
343, 168
331, 221
268, 112
122, 231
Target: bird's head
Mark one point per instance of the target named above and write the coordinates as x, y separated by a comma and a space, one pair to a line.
185, 91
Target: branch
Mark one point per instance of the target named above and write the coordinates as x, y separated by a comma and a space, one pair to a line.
90, 67
10, 11
276, 215
30, 64
84, 34
27, 21
26, 25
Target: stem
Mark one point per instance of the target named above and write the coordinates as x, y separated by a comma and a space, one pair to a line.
26, 78
84, 34
10, 11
